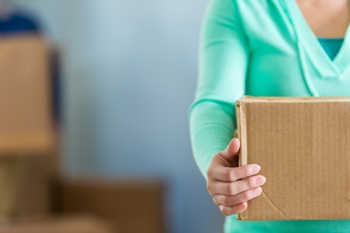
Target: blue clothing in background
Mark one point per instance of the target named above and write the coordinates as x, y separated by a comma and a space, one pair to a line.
331, 46
18, 22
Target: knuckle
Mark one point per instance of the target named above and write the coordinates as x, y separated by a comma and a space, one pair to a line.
249, 183
231, 174
210, 172
247, 195
242, 172
209, 187
231, 189
226, 200
221, 154
245, 172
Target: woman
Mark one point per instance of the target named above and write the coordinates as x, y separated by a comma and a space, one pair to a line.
262, 48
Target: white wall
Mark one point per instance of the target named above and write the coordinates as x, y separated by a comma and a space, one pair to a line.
130, 69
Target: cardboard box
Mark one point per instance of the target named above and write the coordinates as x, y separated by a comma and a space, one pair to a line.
35, 196
302, 146
135, 206
25, 101
25, 186
57, 225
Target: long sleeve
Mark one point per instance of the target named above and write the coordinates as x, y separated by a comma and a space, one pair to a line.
223, 66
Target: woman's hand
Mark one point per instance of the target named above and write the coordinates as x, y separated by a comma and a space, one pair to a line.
232, 186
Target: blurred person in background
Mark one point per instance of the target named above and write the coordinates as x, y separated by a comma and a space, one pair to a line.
262, 48
13, 21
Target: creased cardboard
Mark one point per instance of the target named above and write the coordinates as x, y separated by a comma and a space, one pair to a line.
303, 148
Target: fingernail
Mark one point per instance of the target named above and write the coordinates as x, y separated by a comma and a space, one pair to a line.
260, 180
256, 191
255, 169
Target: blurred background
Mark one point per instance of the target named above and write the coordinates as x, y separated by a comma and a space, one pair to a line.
118, 77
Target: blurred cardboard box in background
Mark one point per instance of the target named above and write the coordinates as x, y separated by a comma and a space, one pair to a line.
68, 224
135, 206
302, 146
29, 161
28, 153
25, 186
26, 122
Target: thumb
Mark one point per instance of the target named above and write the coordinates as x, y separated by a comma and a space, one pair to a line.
230, 154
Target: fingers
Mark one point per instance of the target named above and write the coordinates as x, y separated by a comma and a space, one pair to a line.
230, 205
228, 174
233, 188
230, 154
229, 210
239, 198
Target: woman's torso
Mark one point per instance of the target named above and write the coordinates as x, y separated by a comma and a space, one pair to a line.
286, 59
288, 44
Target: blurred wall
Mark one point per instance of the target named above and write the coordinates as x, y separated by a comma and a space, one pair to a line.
130, 70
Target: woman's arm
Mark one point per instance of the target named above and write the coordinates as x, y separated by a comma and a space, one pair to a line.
224, 56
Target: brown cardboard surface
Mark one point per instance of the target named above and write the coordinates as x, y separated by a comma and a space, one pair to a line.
302, 146
81, 224
25, 103
135, 206
25, 186
35, 196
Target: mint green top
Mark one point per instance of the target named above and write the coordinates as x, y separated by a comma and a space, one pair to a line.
331, 46
259, 48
